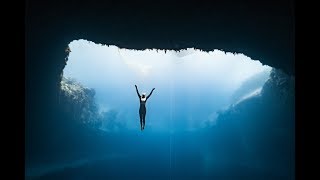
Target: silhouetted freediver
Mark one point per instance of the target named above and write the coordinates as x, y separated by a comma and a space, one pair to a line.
142, 110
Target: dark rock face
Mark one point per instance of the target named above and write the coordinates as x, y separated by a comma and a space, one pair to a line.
263, 30
251, 84
79, 102
265, 124
281, 86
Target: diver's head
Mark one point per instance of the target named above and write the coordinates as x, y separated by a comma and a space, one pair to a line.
143, 95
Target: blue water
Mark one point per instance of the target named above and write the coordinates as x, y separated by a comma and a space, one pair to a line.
150, 155
182, 139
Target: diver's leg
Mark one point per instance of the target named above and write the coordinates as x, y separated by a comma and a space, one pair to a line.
144, 119
141, 117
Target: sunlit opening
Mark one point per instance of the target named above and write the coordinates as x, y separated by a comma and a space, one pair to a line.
191, 86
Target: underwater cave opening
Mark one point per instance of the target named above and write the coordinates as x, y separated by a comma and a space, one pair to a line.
212, 114
191, 86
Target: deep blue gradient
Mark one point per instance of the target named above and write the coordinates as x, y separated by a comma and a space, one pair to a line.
211, 116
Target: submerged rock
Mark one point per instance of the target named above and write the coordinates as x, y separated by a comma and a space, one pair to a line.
79, 101
264, 123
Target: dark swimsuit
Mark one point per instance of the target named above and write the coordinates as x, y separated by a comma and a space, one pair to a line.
142, 109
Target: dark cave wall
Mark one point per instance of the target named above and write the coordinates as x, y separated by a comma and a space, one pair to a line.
264, 125
262, 30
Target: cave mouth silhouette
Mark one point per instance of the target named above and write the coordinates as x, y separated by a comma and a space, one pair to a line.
186, 75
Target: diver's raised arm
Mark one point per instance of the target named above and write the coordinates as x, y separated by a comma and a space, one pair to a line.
150, 93
137, 91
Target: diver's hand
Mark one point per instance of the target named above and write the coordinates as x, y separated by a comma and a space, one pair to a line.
135, 86
153, 89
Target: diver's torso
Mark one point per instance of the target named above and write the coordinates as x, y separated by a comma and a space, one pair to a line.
143, 103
